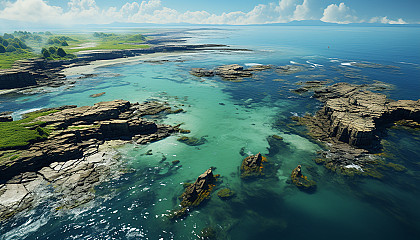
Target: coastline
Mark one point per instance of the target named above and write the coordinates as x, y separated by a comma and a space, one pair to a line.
90, 67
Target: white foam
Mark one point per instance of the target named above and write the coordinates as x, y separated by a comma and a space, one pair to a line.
348, 63
293, 62
357, 167
314, 64
334, 60
18, 114
252, 64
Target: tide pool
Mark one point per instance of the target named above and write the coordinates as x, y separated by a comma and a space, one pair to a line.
240, 117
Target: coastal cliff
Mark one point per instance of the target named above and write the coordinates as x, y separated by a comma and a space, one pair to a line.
353, 115
351, 122
68, 154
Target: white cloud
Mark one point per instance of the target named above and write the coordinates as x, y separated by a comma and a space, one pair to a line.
386, 20
303, 11
339, 14
30, 11
152, 11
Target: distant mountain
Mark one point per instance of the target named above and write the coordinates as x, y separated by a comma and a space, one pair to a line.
10, 26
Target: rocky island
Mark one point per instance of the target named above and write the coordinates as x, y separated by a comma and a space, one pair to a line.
195, 194
69, 150
350, 123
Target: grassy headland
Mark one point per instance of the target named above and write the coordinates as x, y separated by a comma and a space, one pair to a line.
21, 133
23, 45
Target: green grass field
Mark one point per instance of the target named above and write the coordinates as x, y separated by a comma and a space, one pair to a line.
107, 41
7, 59
23, 132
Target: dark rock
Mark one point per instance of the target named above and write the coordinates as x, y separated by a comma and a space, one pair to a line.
97, 95
195, 194
6, 118
229, 72
252, 166
302, 181
175, 162
353, 115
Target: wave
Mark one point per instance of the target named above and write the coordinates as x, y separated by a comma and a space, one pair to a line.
252, 64
347, 63
314, 64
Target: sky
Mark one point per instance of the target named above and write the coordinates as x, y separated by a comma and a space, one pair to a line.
235, 12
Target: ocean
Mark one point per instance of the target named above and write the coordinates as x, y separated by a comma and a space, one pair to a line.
239, 117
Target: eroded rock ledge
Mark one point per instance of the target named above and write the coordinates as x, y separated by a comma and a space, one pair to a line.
353, 115
73, 158
350, 122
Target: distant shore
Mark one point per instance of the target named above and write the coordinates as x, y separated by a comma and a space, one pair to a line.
91, 66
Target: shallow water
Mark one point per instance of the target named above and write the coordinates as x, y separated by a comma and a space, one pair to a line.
231, 116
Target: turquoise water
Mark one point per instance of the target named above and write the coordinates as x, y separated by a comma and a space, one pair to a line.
235, 116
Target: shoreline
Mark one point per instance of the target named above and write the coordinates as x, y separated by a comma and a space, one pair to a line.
90, 67
32, 73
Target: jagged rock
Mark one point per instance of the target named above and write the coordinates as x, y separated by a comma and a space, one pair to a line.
353, 115
229, 72
350, 122
195, 193
301, 181
79, 130
252, 166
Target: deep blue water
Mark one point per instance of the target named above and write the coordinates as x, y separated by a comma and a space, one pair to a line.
133, 206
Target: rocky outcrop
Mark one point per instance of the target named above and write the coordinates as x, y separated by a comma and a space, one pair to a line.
302, 182
16, 79
353, 115
70, 183
35, 72
77, 129
229, 72
69, 157
252, 166
350, 123
195, 193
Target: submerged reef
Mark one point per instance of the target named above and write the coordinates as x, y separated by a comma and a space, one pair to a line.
252, 166
302, 182
225, 193
195, 194
192, 141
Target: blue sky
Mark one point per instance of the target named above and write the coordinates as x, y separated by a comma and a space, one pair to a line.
211, 12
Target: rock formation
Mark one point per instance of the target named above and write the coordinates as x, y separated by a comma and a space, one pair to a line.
68, 158
252, 166
301, 181
195, 193
229, 72
353, 115
350, 122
